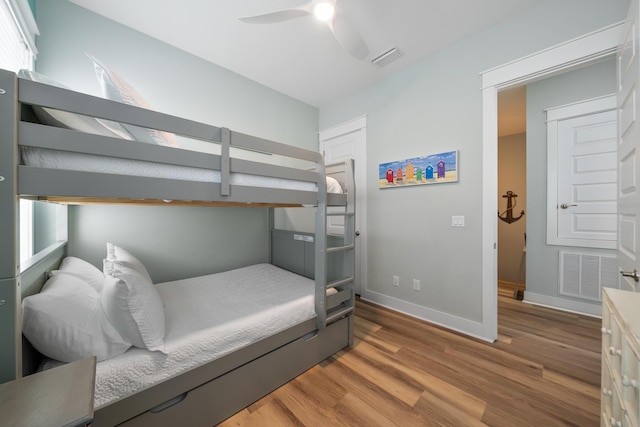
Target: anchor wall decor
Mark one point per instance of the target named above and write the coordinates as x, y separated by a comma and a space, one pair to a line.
507, 215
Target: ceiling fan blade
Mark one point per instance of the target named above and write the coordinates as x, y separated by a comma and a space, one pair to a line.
277, 16
347, 36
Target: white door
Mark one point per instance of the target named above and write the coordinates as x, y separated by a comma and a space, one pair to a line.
629, 152
582, 176
348, 141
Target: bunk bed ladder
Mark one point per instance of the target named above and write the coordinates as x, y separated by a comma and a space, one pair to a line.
341, 303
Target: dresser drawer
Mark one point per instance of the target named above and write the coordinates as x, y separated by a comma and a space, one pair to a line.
620, 399
613, 352
607, 392
630, 381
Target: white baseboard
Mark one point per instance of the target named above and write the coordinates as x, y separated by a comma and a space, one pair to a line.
455, 323
572, 306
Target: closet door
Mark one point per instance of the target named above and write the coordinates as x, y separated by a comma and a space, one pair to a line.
348, 141
629, 153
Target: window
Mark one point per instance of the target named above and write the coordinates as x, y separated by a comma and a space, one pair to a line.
17, 50
17, 35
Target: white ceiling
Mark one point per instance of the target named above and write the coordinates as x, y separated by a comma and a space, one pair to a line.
300, 57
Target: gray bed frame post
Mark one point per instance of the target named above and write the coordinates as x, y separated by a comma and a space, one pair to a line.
225, 161
321, 247
271, 221
10, 312
350, 237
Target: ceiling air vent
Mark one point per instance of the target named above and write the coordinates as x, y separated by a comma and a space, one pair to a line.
387, 57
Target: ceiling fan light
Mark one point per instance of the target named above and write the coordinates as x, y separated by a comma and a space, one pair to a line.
323, 11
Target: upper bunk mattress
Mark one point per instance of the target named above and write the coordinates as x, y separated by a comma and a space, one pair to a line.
208, 317
67, 160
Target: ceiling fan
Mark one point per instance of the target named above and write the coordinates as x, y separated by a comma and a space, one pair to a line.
323, 10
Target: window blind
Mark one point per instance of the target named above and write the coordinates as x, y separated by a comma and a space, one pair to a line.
17, 35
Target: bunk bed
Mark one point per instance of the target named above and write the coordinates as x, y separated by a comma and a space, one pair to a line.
212, 391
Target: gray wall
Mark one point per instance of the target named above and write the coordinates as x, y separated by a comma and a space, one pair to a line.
542, 259
184, 241
512, 176
436, 106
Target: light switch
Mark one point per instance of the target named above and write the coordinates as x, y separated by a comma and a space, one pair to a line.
457, 221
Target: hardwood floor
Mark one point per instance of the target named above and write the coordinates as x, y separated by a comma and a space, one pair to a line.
544, 370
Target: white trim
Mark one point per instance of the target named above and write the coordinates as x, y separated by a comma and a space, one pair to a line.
564, 304
581, 50
344, 128
448, 321
581, 108
489, 209
26, 230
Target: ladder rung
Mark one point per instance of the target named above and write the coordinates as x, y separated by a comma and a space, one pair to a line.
339, 282
340, 248
334, 300
338, 314
340, 213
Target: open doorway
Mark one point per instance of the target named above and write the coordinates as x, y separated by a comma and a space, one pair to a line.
557, 151
512, 192
577, 52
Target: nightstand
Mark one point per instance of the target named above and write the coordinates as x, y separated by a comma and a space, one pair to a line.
61, 396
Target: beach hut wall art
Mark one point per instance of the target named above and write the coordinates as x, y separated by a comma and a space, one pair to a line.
431, 169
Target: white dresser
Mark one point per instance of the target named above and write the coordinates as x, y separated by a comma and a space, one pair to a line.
620, 404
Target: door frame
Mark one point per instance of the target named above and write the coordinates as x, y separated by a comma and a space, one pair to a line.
580, 51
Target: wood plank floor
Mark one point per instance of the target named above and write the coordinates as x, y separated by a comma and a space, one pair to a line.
544, 370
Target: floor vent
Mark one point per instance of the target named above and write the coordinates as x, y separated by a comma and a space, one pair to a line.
387, 57
584, 275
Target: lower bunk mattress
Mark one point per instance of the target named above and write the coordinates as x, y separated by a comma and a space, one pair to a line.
206, 318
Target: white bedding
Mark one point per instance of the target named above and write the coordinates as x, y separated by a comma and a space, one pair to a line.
56, 159
207, 317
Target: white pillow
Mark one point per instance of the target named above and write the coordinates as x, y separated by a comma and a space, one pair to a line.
116, 88
82, 270
116, 253
66, 322
133, 305
64, 119
333, 186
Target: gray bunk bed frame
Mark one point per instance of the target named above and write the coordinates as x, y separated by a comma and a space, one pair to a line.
212, 392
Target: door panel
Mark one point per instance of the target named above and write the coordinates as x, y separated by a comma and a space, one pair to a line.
582, 143
628, 142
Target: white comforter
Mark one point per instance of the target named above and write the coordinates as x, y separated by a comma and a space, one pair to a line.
207, 317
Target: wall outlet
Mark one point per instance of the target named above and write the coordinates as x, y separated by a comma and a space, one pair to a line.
396, 281
416, 284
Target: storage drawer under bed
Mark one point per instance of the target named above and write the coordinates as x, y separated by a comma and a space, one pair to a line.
229, 393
